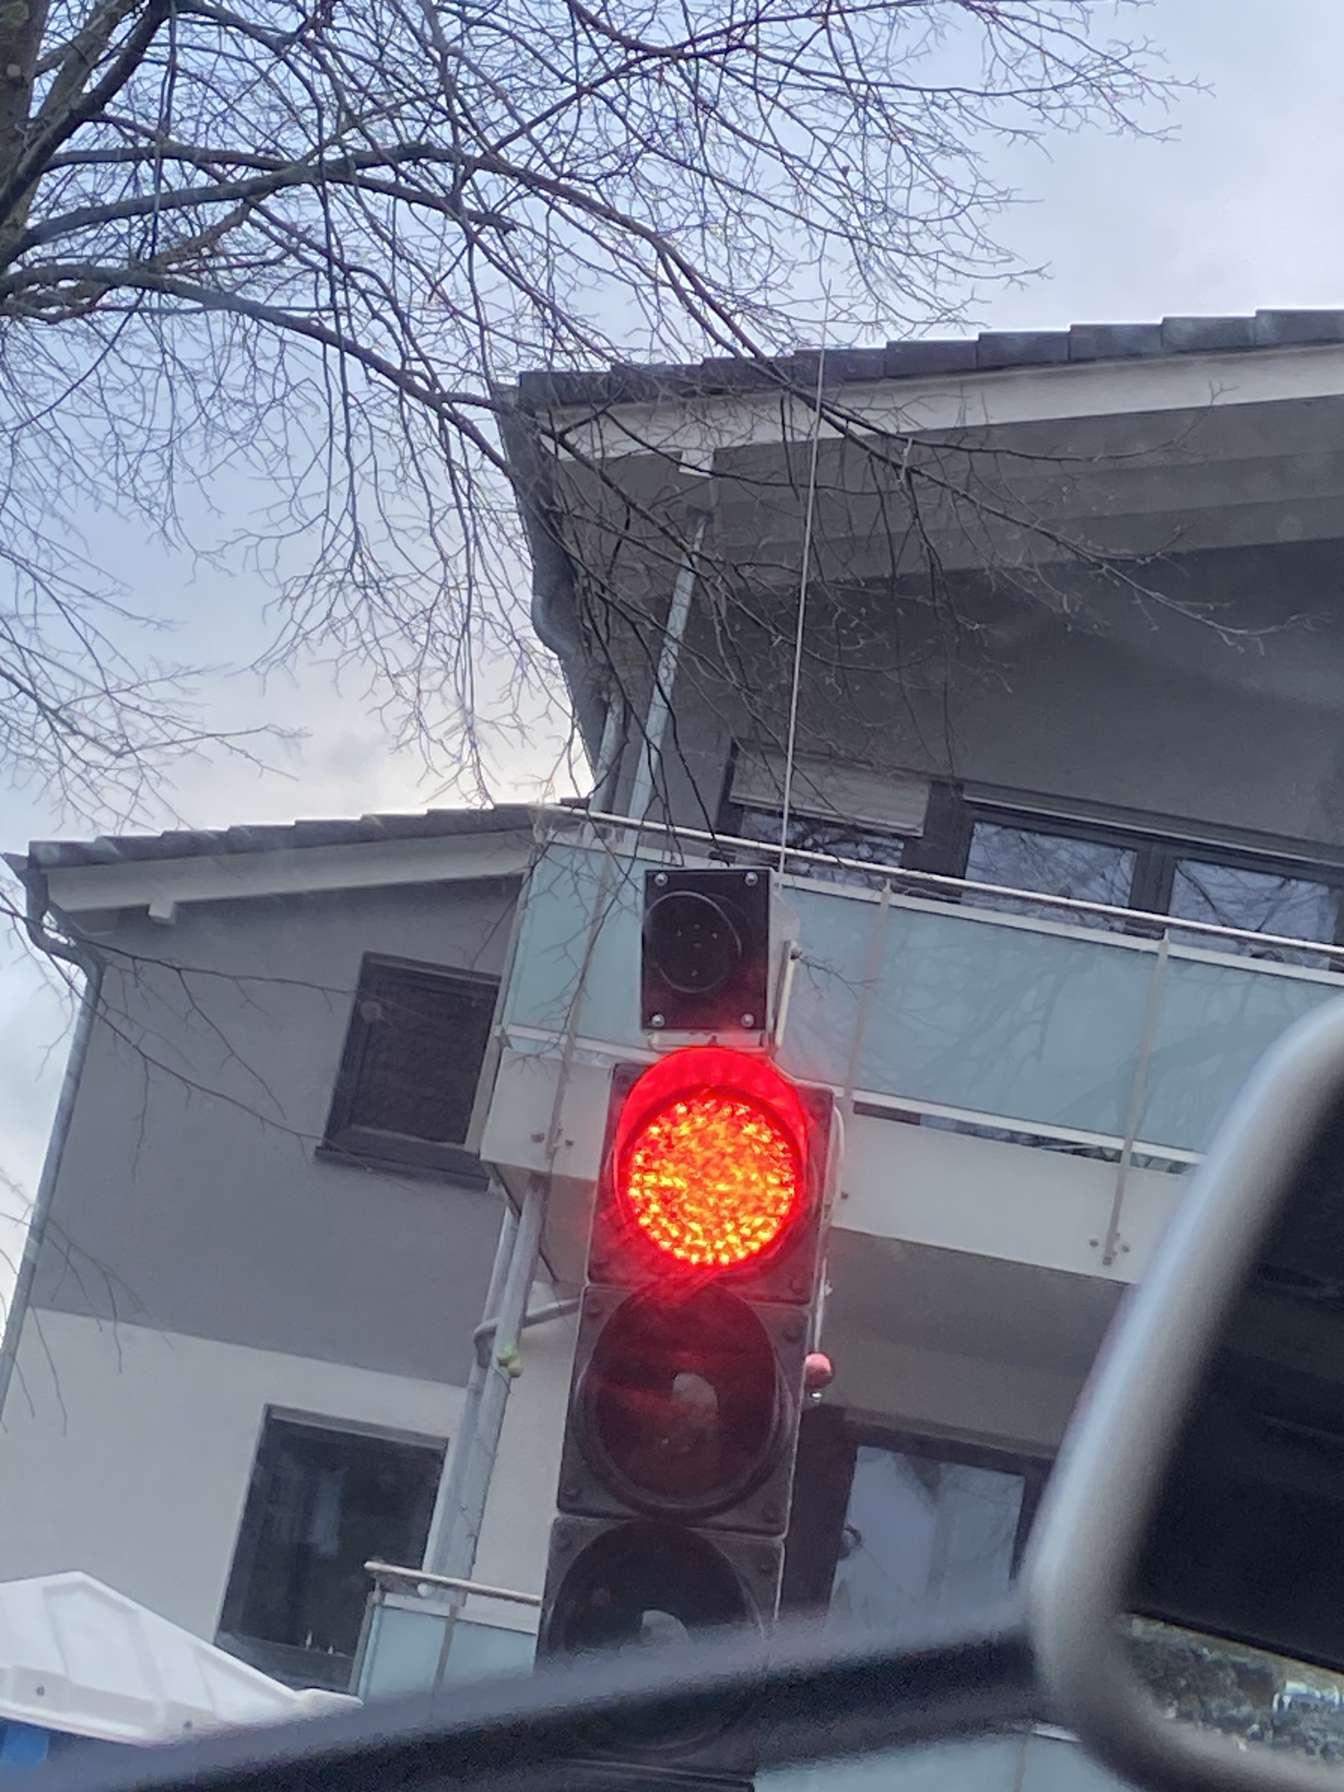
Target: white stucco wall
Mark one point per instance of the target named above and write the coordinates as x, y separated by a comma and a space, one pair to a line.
127, 1451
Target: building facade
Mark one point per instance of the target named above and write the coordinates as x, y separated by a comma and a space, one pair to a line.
1021, 660
265, 1244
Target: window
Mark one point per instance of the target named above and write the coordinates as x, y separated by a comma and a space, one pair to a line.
940, 828
322, 1503
929, 1528
1095, 862
413, 1057
1262, 901
835, 807
1058, 864
807, 834
887, 1523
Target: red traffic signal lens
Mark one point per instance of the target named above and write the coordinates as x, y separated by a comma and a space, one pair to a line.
712, 1179
710, 1160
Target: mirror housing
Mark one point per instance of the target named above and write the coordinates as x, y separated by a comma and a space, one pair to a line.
1102, 1503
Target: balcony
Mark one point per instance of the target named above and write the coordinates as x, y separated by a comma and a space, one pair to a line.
1044, 1029
416, 1637
1110, 1052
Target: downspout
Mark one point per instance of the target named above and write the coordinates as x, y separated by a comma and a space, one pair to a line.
91, 965
665, 677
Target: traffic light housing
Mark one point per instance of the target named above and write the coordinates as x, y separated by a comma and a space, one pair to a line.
705, 951
695, 1323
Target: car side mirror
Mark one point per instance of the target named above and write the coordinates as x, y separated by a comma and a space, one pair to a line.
1196, 1513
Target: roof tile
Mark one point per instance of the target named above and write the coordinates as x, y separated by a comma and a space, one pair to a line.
180, 843
932, 355
1021, 348
1198, 335
1275, 329
1114, 342
993, 350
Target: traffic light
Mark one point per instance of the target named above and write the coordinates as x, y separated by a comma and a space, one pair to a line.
695, 1325
705, 960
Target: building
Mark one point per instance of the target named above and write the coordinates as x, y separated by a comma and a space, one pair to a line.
1071, 632
250, 1319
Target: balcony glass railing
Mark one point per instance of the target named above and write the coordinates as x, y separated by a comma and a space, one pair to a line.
938, 1005
415, 1636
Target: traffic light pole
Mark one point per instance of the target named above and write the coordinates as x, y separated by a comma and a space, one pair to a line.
448, 1499
460, 1510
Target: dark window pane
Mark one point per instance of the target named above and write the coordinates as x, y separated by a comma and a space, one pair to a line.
924, 1535
1261, 901
844, 839
422, 1055
323, 1503
412, 1062
1057, 864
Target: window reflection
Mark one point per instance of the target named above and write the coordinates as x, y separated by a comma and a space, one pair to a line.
806, 833
1261, 902
1241, 1690
1083, 868
924, 1535
1056, 864
321, 1504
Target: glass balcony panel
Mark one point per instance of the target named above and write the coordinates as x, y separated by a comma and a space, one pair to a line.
1019, 1019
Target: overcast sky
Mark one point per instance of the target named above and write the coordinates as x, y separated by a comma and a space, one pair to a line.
1241, 211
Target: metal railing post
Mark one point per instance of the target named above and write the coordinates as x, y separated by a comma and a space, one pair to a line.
1138, 1095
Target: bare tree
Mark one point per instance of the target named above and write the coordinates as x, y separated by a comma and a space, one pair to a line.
313, 243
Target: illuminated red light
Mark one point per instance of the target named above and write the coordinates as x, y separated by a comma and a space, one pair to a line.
712, 1172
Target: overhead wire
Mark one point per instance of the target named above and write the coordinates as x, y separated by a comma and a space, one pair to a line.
809, 514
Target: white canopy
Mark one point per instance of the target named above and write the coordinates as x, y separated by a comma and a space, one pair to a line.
78, 1656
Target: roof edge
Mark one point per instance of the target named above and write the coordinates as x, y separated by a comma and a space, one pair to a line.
991, 351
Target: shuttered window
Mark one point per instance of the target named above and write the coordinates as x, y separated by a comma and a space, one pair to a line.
887, 802
413, 1055
848, 811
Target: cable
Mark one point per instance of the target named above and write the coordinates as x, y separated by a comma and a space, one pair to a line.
802, 591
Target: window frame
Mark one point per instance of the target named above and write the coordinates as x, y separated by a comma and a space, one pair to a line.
839, 824
729, 820
1157, 855
347, 1140
816, 1535
291, 1662
1033, 1466
1308, 871
945, 845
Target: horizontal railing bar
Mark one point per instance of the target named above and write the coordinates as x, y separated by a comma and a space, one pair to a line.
938, 880
617, 1051
422, 1577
